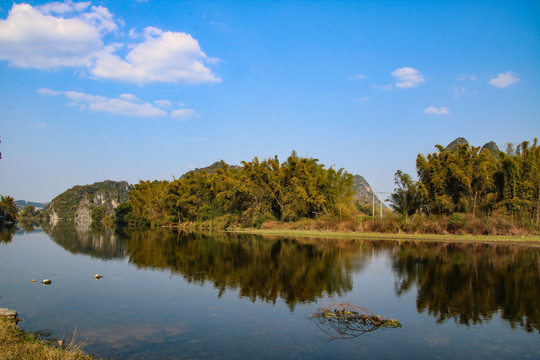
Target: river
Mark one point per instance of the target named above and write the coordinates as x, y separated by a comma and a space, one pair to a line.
169, 295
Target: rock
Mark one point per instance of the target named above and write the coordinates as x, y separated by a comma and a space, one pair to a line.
9, 314
97, 276
46, 282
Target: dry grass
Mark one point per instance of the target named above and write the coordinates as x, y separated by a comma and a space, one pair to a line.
16, 344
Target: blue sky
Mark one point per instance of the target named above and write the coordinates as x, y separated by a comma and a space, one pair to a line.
143, 90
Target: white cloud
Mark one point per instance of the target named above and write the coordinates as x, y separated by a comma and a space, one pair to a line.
383, 87
458, 91
162, 57
129, 97
41, 124
183, 114
471, 77
101, 19
68, 34
63, 7
49, 92
407, 77
165, 104
504, 80
443, 110
124, 104
357, 77
363, 99
29, 38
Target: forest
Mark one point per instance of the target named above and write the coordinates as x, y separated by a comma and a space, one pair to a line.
465, 183
256, 192
460, 189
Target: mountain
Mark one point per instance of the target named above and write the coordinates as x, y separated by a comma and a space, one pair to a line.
78, 202
21, 204
363, 192
453, 146
212, 169
493, 148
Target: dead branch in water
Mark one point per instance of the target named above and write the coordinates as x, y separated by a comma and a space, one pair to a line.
347, 321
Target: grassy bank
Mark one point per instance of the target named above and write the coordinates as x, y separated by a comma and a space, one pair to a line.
484, 239
16, 344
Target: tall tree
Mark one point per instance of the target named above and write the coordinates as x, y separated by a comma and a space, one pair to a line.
406, 198
8, 209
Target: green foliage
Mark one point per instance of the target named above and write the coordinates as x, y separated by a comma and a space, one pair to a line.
8, 209
258, 191
457, 222
28, 211
406, 197
465, 179
98, 213
146, 204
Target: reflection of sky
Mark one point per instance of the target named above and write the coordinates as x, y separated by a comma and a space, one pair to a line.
133, 313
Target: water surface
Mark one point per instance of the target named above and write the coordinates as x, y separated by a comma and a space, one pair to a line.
166, 295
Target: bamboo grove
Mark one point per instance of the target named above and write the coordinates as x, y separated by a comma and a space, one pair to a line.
474, 181
248, 195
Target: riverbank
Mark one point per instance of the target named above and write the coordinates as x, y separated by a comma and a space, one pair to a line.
16, 344
532, 241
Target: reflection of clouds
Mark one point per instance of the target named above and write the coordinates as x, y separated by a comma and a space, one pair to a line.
437, 340
120, 336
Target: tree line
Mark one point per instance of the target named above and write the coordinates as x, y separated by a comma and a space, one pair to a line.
474, 181
257, 191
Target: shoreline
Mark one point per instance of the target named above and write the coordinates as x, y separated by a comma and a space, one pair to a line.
528, 241
16, 343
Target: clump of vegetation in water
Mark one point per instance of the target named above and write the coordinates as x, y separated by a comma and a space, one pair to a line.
347, 321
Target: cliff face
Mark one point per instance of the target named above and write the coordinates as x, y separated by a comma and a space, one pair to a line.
78, 202
363, 192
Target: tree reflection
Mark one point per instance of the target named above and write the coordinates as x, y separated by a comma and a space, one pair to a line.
472, 283
293, 270
97, 242
6, 232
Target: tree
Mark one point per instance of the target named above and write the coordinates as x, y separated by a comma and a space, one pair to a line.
29, 211
406, 197
8, 209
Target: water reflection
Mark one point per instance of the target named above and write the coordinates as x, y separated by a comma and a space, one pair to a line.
6, 232
469, 284
262, 269
99, 242
472, 283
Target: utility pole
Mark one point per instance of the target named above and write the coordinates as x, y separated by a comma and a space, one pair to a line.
381, 202
373, 206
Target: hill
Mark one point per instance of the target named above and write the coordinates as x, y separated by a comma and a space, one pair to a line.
21, 204
78, 202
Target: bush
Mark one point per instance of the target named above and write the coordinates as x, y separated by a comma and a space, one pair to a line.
457, 223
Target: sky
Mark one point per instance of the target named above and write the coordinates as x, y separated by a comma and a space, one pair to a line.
145, 90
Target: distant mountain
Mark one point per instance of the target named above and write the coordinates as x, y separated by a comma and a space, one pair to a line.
21, 204
211, 169
78, 202
493, 148
363, 192
453, 146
